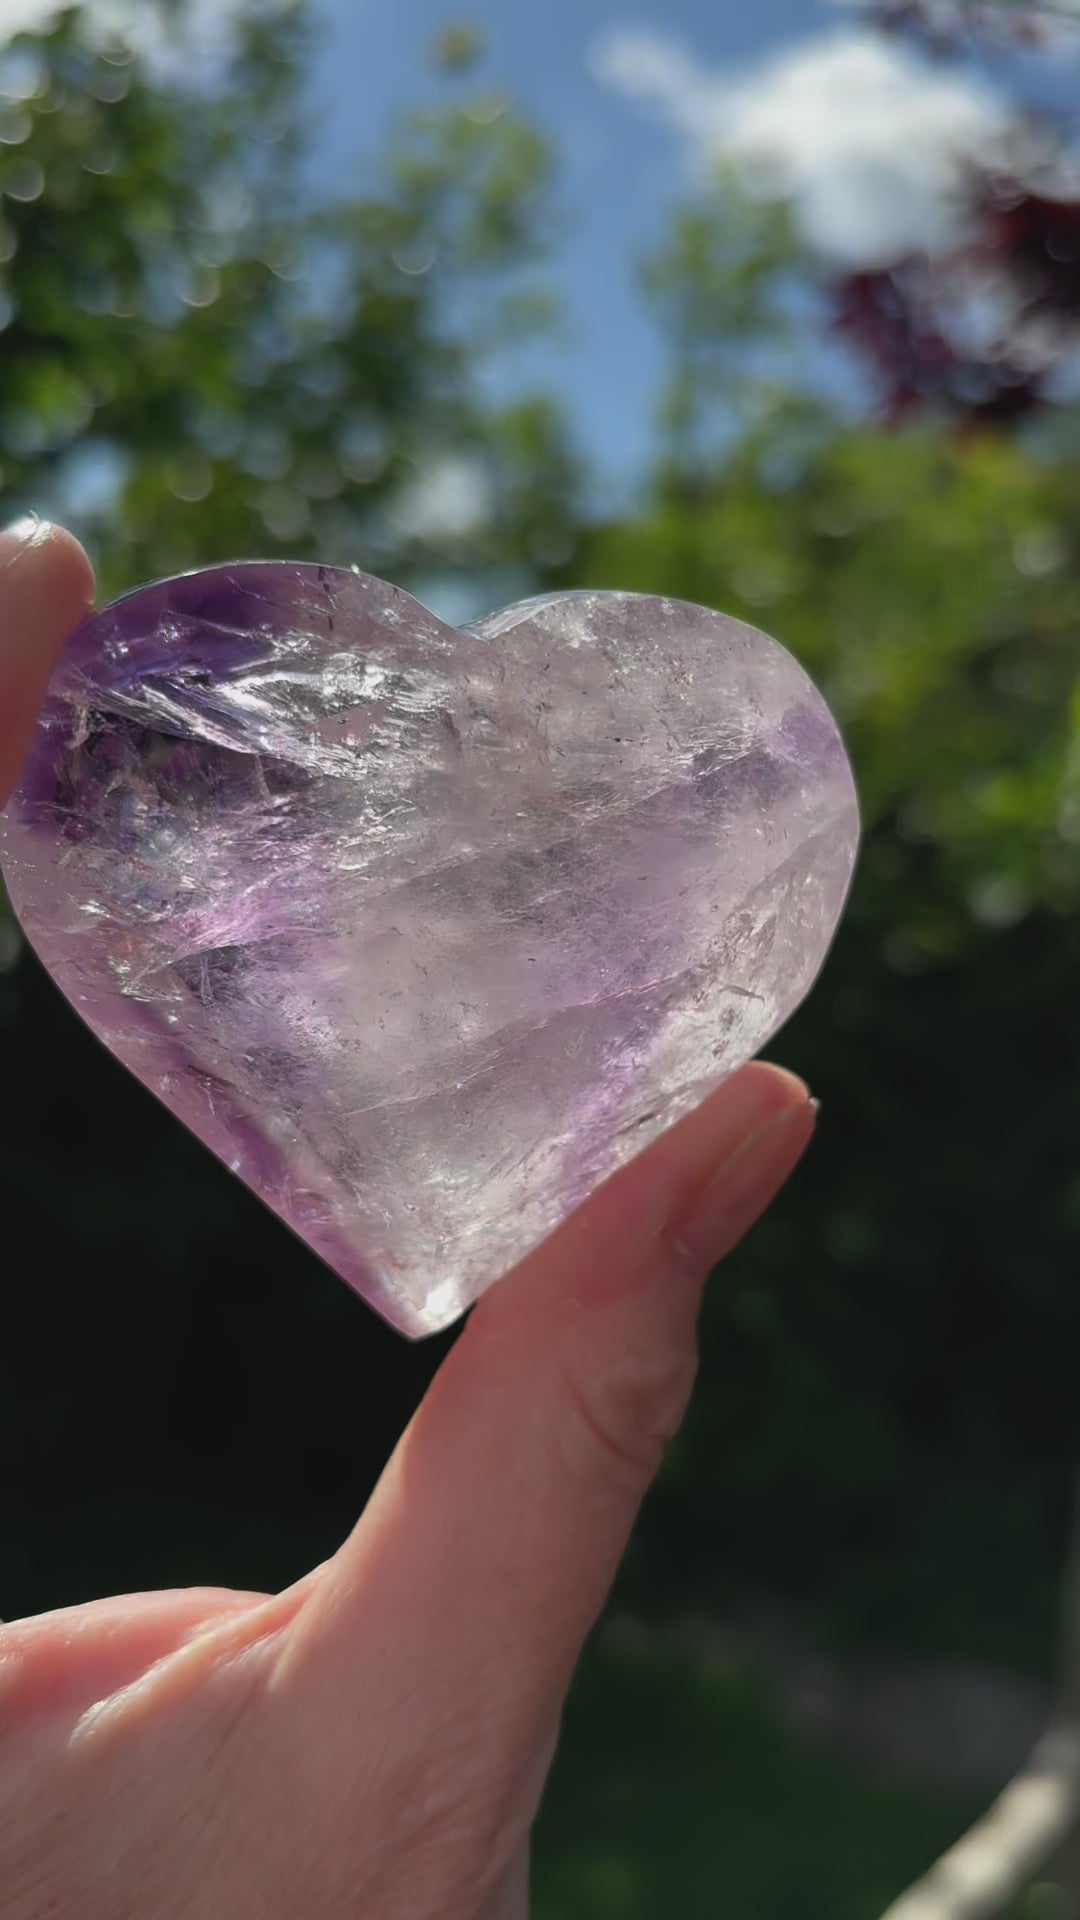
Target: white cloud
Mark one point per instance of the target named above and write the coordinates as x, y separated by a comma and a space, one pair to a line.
871, 141
450, 499
202, 33
25, 16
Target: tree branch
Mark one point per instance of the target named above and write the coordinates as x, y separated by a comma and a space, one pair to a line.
1036, 1817
1002, 1852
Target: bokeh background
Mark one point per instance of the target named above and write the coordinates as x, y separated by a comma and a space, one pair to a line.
776, 308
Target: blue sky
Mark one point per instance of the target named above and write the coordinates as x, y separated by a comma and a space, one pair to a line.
620, 168
869, 140
636, 96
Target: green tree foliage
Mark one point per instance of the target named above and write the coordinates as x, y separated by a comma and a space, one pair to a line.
202, 358
226, 363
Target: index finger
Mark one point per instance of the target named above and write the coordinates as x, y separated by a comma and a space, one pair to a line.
46, 586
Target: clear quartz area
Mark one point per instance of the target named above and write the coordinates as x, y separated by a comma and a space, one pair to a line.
426, 931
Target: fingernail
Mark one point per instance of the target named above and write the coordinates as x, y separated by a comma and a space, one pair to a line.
22, 533
740, 1190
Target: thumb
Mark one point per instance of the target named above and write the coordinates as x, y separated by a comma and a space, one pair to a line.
46, 586
490, 1544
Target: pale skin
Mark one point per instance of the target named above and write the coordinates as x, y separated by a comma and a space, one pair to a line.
374, 1741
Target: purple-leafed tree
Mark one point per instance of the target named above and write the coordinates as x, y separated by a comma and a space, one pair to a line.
989, 329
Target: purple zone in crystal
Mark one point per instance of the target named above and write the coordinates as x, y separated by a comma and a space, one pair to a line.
426, 931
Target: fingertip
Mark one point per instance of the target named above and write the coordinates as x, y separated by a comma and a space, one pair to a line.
71, 566
775, 1087
738, 1192
635, 1205
58, 561
46, 590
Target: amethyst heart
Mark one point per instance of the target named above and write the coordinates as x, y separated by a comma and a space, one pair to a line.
426, 931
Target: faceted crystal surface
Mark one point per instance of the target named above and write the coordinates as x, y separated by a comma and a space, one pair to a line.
426, 931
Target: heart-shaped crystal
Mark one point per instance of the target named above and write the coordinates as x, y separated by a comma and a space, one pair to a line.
426, 931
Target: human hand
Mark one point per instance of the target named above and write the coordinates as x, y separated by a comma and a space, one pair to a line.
374, 1740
